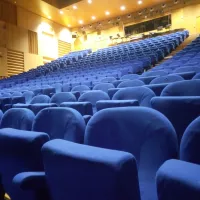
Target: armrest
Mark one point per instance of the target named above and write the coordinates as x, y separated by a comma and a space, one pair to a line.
30, 185
178, 180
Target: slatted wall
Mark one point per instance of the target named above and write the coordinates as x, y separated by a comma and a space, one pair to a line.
33, 42
15, 62
63, 48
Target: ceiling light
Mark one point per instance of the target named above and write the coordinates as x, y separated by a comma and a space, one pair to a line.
139, 2
89, 1
107, 13
75, 7
122, 8
61, 12
80, 21
93, 17
49, 17
69, 25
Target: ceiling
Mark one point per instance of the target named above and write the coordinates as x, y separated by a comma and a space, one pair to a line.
68, 16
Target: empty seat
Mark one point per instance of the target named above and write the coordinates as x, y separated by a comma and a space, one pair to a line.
48, 91
182, 88
155, 73
197, 76
148, 79
157, 88
61, 97
112, 91
60, 123
167, 79
181, 111
108, 80
186, 75
17, 94
18, 118
28, 96
40, 99
66, 87
58, 87
93, 97
187, 69
104, 87
144, 132
116, 103
85, 108
130, 83
80, 88
142, 94
37, 107
130, 77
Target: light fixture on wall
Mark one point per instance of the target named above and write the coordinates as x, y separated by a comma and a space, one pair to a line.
61, 12
80, 21
122, 8
139, 2
93, 17
89, 1
75, 7
107, 13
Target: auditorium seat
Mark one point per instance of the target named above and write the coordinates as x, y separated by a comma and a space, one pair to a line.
130, 83
187, 69
108, 80
142, 94
92, 97
40, 99
181, 111
18, 118
166, 79
28, 95
58, 87
155, 73
186, 75
103, 87
66, 87
157, 88
62, 97
48, 91
147, 79
143, 132
130, 77
17, 94
197, 76
182, 88
60, 123
80, 88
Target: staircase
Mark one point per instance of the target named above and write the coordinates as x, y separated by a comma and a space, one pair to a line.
179, 48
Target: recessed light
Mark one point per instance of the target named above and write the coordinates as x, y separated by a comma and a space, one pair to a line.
93, 17
89, 1
107, 13
139, 2
122, 8
61, 12
69, 25
49, 17
80, 21
75, 7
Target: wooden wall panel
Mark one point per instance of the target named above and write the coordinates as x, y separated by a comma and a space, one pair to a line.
63, 48
2, 34
15, 62
32, 61
3, 62
33, 42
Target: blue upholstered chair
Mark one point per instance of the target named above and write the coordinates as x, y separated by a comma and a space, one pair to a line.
157, 88
92, 97
61, 97
103, 87
182, 88
28, 96
18, 118
155, 73
144, 132
108, 80
130, 83
142, 94
130, 77
167, 79
80, 88
60, 123
40, 99
17, 94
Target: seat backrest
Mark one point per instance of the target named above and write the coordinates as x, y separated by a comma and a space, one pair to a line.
93, 97
143, 132
60, 123
142, 94
66, 87
18, 118
58, 87
28, 96
100, 172
17, 94
182, 88
61, 97
130, 83
40, 99
108, 80
197, 76
167, 79
155, 73
130, 77
187, 69
22, 150
104, 87
80, 88
181, 111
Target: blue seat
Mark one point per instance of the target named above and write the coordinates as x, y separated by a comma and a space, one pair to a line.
58, 87
80, 88
116, 103
142, 94
136, 130
60, 123
108, 80
100, 173
40, 99
181, 111
92, 97
187, 69
182, 88
85, 108
130, 83
66, 87
157, 88
103, 87
20, 151
48, 91
130, 77
62, 97
28, 96
197, 76
148, 79
186, 75
167, 79
36, 108
18, 118
155, 73
17, 94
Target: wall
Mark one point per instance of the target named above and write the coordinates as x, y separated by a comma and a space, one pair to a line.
14, 35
